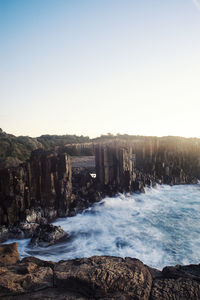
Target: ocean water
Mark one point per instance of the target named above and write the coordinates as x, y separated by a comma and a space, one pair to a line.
160, 227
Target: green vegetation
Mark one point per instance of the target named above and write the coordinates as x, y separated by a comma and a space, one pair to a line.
15, 150
51, 141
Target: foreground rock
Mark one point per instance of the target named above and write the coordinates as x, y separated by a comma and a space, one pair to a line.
24, 277
96, 277
47, 235
9, 254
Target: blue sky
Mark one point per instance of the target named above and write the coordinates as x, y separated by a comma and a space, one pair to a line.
96, 66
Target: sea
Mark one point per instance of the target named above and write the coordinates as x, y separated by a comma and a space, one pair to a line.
160, 227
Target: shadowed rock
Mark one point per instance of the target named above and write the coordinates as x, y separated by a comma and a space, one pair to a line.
39, 188
46, 235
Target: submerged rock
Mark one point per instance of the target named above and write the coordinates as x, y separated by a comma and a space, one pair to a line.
47, 235
28, 229
4, 234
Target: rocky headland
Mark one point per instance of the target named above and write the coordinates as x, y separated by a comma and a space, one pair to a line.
52, 184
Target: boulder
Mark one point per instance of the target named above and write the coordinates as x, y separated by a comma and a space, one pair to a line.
8, 254
28, 229
24, 277
46, 235
4, 234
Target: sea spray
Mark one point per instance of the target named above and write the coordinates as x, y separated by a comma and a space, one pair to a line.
160, 227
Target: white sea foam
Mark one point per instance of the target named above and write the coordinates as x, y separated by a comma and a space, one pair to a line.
160, 227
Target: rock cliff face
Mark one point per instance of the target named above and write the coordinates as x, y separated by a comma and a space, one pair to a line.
168, 160
97, 277
44, 182
114, 168
130, 166
46, 187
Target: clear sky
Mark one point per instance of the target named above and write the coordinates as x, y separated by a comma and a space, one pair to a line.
97, 66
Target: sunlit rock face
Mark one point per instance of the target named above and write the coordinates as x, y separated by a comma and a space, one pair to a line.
43, 182
169, 160
114, 167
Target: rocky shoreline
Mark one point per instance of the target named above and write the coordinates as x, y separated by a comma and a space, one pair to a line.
97, 277
47, 187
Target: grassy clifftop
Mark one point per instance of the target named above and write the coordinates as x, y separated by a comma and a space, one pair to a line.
17, 149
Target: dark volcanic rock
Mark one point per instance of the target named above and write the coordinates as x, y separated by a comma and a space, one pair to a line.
180, 289
179, 282
28, 229
4, 234
190, 271
43, 188
84, 189
114, 168
46, 235
39, 188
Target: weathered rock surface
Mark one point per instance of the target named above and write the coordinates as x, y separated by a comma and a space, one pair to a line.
130, 166
114, 168
25, 277
169, 160
85, 190
98, 277
36, 189
4, 233
47, 235
105, 277
43, 188
8, 254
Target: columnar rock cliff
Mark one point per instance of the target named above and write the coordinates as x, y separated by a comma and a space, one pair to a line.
43, 182
45, 186
114, 167
169, 160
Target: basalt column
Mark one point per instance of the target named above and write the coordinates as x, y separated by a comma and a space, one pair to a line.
43, 182
114, 168
51, 182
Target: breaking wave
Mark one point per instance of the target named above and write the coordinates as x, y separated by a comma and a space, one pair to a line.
160, 227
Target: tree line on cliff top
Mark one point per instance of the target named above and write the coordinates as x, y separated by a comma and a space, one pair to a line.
17, 149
